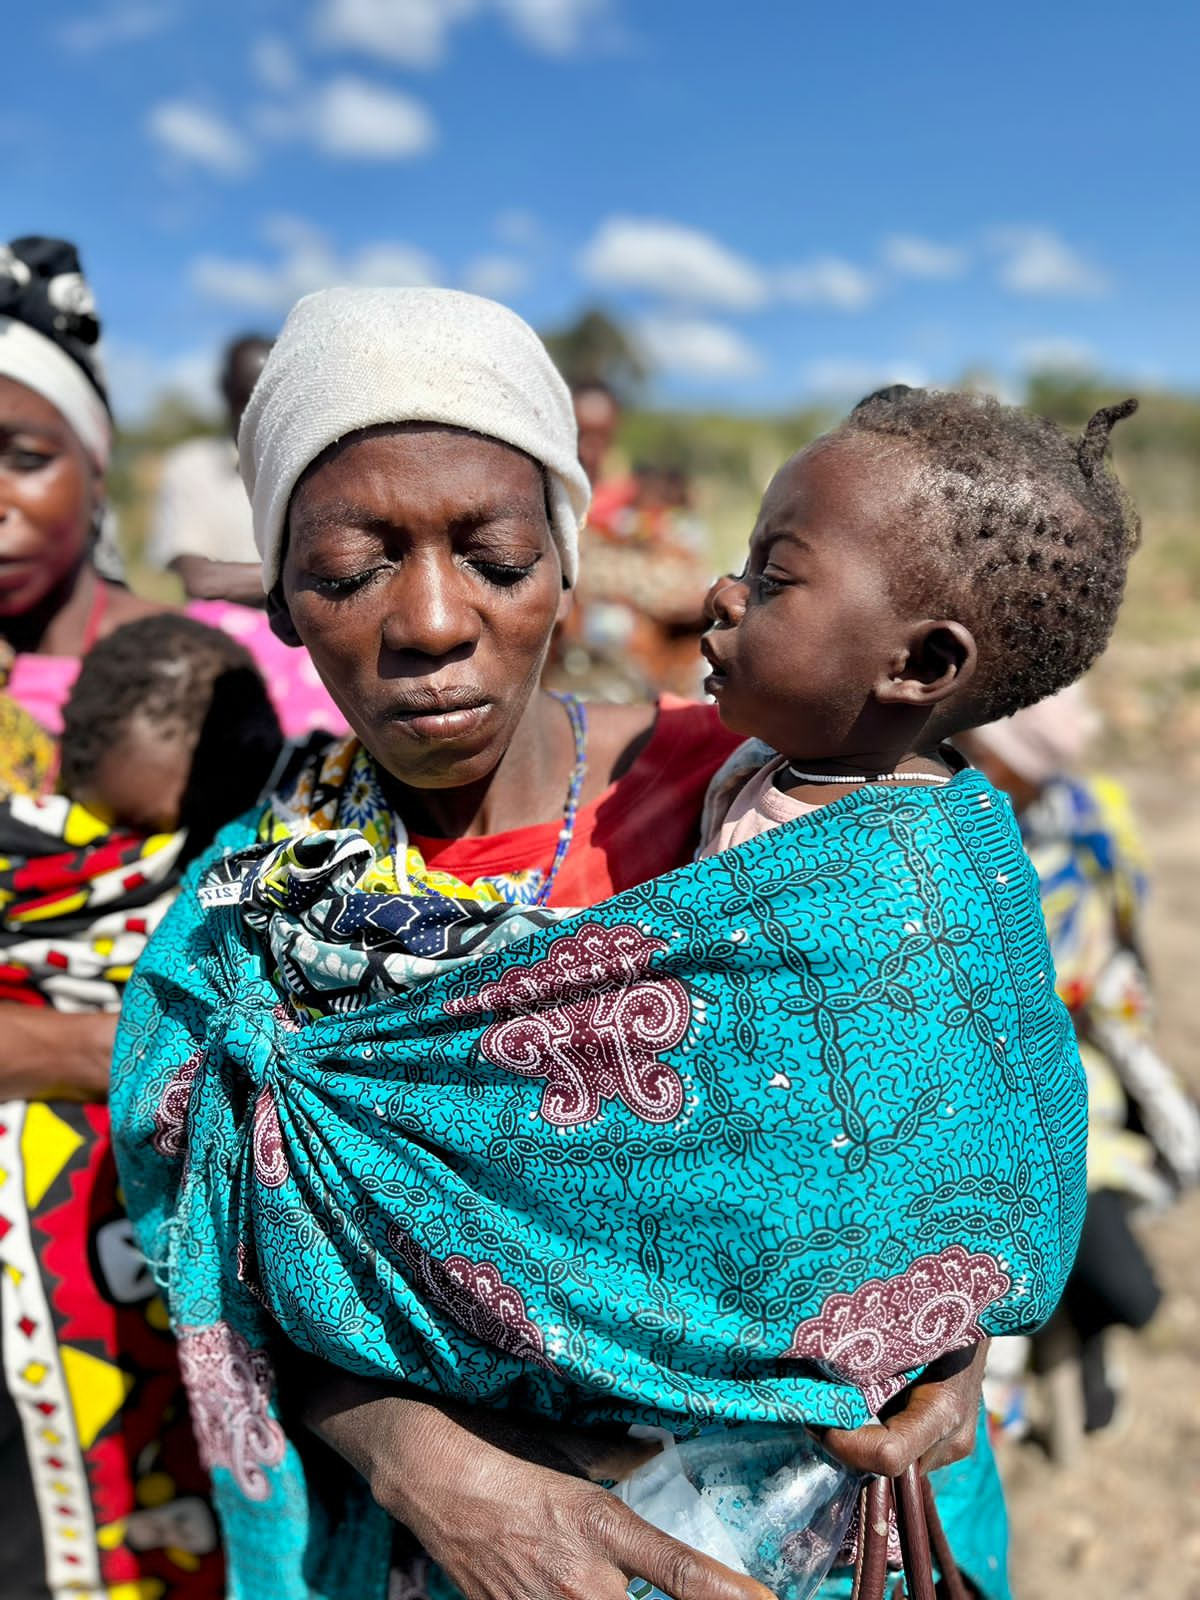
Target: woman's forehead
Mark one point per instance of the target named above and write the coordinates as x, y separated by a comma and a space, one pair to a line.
398, 470
19, 404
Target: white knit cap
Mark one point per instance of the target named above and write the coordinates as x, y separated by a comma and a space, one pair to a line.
1045, 739
349, 359
29, 357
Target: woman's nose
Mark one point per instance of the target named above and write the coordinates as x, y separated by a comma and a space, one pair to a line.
429, 611
725, 601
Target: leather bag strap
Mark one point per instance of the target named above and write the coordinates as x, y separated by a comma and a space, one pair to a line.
922, 1540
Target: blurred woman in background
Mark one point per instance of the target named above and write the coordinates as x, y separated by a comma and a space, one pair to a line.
55, 440
1143, 1129
103, 1491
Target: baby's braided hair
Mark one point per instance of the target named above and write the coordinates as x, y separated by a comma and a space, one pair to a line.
1024, 535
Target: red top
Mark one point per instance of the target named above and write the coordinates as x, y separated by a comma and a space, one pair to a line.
644, 824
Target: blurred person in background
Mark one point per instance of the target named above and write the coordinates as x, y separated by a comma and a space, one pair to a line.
201, 528
639, 607
55, 440
1144, 1129
103, 1489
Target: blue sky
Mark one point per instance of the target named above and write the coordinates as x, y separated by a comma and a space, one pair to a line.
782, 200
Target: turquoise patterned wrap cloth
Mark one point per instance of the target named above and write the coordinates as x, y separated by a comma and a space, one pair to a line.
757, 1140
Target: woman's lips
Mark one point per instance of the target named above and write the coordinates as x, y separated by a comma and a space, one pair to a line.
14, 571
441, 717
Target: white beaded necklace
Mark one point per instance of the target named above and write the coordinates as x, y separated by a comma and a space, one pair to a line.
864, 777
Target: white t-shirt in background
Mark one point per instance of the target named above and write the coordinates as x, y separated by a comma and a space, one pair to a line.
202, 507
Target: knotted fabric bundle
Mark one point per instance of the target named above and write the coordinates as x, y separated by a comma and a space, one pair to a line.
755, 1141
349, 359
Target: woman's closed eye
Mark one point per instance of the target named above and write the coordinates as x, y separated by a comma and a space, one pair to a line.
16, 457
344, 584
503, 571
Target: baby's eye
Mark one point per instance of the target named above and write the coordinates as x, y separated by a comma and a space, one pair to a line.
767, 583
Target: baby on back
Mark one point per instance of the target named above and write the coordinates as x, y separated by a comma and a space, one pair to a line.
936, 562
168, 734
169, 727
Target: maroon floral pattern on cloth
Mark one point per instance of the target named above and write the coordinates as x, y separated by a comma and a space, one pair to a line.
229, 1388
476, 1296
270, 1161
170, 1115
592, 1018
889, 1326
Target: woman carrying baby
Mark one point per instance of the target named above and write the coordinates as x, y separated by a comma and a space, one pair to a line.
317, 1136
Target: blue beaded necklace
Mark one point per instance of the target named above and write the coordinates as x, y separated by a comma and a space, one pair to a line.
577, 714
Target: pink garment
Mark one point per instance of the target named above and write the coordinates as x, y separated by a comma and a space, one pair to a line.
756, 808
1045, 739
42, 683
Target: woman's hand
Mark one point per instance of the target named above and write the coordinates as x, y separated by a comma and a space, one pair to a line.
503, 1528
54, 1055
934, 1421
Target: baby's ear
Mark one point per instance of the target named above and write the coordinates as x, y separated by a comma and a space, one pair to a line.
939, 661
280, 619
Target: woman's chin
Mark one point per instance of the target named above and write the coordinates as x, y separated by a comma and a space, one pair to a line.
447, 750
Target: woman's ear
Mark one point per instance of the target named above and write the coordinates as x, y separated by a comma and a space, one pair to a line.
565, 601
940, 661
280, 618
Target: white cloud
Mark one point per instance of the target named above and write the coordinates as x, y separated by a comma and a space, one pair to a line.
350, 117
847, 378
826, 281
306, 261
1036, 261
693, 348
517, 227
410, 33
194, 134
416, 33
672, 260
555, 27
923, 258
498, 277
1056, 355
118, 24
275, 65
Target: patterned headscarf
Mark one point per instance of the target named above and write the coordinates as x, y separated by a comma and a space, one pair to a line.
50, 335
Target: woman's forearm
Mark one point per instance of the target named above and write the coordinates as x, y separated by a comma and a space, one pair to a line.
495, 1519
54, 1055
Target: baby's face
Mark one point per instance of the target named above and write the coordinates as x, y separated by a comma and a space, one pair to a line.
802, 637
139, 784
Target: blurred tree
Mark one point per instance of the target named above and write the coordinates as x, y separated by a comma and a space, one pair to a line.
596, 347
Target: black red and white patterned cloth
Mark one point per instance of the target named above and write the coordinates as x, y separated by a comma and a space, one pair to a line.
104, 1492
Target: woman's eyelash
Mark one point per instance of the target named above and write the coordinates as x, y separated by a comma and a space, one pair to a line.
503, 574
27, 460
345, 585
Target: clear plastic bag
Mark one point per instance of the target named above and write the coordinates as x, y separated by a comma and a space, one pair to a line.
766, 1501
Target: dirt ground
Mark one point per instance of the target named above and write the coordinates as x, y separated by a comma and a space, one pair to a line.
1124, 1523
